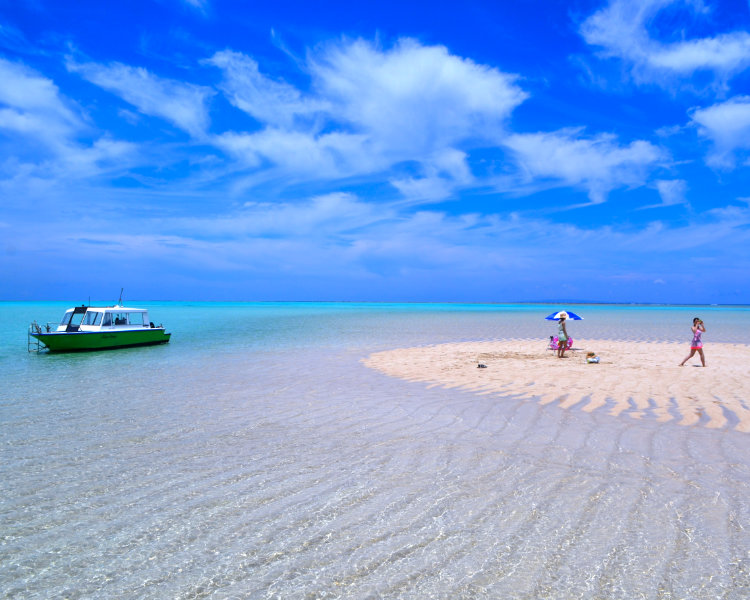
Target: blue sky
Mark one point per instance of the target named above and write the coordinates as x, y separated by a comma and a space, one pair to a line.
386, 151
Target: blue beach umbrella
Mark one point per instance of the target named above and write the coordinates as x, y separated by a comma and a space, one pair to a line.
564, 313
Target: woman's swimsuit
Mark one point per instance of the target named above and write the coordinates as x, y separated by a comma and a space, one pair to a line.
696, 344
561, 333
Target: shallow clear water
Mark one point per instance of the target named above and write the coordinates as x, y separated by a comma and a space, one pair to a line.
255, 457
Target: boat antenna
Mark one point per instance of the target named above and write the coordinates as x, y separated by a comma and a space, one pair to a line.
119, 302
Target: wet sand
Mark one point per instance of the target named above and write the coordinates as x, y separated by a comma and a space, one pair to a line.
634, 379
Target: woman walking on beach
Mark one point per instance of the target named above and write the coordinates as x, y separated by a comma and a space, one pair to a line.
697, 344
562, 337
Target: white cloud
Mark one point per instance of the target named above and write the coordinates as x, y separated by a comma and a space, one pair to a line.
33, 105
726, 54
105, 153
444, 173
33, 114
622, 29
339, 233
415, 99
369, 109
672, 191
300, 154
727, 125
598, 164
274, 103
363, 249
319, 217
424, 189
182, 104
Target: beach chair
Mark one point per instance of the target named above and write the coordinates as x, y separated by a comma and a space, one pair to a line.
553, 343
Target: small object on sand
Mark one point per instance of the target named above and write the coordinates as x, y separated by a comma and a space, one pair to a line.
481, 366
592, 358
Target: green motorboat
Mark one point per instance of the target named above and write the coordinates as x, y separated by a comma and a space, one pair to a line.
84, 328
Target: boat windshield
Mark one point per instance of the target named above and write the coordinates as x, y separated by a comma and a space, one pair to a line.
66, 317
75, 320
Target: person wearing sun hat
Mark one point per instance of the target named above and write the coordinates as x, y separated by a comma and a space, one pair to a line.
562, 335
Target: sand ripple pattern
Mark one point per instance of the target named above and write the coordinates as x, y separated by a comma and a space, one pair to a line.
637, 379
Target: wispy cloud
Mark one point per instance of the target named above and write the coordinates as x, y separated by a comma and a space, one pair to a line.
727, 126
622, 30
182, 104
13, 39
272, 103
325, 236
336, 214
672, 191
43, 129
598, 164
34, 103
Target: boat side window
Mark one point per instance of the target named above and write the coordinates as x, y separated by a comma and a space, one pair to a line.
107, 321
66, 317
120, 318
92, 318
137, 319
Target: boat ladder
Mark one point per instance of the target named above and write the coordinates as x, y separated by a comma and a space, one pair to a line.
33, 344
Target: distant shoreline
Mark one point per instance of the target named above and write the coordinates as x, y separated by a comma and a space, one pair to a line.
552, 304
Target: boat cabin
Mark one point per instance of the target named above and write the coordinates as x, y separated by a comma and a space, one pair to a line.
116, 318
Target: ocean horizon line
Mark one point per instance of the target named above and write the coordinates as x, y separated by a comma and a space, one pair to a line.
389, 302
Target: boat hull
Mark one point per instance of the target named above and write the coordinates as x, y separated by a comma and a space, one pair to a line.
84, 341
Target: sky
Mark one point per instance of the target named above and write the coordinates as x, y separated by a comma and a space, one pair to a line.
566, 151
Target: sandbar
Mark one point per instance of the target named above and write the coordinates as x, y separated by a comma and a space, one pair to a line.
638, 379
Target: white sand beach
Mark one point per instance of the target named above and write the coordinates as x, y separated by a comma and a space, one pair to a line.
637, 379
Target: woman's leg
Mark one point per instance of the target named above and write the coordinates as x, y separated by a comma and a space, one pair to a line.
692, 351
703, 358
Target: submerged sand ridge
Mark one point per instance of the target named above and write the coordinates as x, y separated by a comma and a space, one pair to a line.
638, 379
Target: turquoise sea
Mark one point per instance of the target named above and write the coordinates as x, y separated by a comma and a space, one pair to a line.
254, 456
